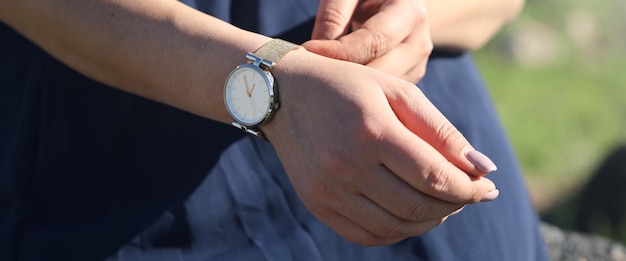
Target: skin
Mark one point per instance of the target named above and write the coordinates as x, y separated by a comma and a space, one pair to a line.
468, 25
367, 153
383, 33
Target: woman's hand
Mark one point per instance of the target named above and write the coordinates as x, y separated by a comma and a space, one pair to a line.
367, 153
390, 35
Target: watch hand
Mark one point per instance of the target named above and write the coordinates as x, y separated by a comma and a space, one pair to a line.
252, 89
245, 83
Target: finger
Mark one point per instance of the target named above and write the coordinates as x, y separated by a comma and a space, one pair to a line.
401, 63
410, 104
376, 37
358, 202
354, 232
333, 19
409, 59
402, 200
397, 18
376, 220
425, 169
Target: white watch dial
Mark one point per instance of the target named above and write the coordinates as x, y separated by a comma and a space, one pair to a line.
248, 95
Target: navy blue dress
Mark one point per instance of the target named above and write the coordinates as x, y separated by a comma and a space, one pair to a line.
88, 172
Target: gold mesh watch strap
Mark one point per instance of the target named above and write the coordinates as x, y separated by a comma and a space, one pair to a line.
275, 49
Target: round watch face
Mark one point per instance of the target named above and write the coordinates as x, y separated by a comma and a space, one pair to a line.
249, 95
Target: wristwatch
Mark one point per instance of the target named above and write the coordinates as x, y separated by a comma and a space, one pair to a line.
250, 91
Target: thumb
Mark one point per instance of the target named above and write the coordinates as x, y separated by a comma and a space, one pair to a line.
420, 116
361, 46
333, 19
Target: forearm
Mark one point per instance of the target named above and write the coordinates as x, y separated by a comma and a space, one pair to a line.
468, 25
160, 49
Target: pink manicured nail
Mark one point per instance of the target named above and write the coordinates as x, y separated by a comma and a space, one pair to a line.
482, 162
490, 196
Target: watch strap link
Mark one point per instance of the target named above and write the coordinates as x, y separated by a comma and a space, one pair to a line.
273, 50
254, 132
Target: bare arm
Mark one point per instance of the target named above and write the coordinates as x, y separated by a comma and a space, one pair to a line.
468, 25
159, 49
367, 153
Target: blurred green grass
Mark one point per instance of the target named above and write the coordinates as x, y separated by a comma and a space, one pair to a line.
563, 113
560, 118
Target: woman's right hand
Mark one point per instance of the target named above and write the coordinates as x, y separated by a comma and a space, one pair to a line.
367, 153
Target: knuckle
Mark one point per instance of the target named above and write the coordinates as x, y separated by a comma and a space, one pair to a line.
478, 194
420, 12
475, 196
333, 19
372, 131
312, 192
428, 47
416, 212
448, 135
437, 180
330, 162
378, 43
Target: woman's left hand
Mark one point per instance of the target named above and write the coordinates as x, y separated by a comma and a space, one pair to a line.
389, 35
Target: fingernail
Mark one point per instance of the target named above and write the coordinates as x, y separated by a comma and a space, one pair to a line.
490, 196
482, 162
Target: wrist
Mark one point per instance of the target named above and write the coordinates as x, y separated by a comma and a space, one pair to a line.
251, 91
289, 74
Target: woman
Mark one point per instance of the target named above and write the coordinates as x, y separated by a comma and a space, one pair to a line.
87, 168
